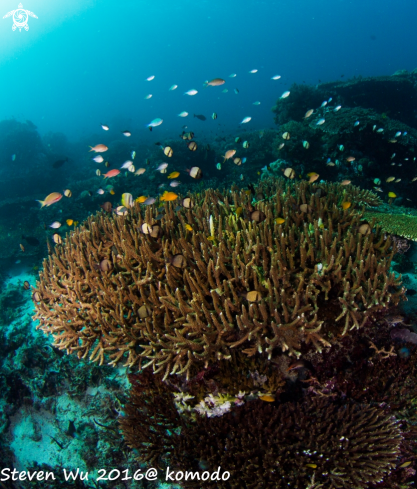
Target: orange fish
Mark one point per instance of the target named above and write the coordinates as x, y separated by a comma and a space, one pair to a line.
229, 154
141, 199
174, 174
111, 173
51, 199
168, 196
345, 182
216, 82
99, 148
346, 205
313, 177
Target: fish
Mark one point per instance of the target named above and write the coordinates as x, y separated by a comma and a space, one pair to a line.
127, 200
256, 103
390, 179
345, 182
330, 163
149, 201
69, 222
337, 108
232, 75
356, 124
320, 122
31, 240
126, 133
188, 227
214, 115
162, 166
100, 191
397, 179
13, 157
192, 145
104, 127
168, 151
238, 211
237, 140
380, 130
378, 189
112, 192
346, 205
225, 90
246, 144
67, 192
289, 173
237, 161
341, 147
404, 465
168, 196
279, 220
308, 113
281, 146
267, 398
183, 114
55, 225
253, 71
140, 171
174, 174
397, 134
126, 164
150, 78
244, 160
349, 159
23, 249
245, 120
99, 148
312, 466
229, 154
148, 96
195, 172
98, 159
200, 117
59, 163
219, 166
216, 82
56, 238
155, 123
391, 195
276, 77
26, 286
285, 95
141, 199
173, 87
111, 174
323, 104
191, 92
50, 199
286, 135
313, 177
133, 155
306, 144
175, 183
236, 91
107, 164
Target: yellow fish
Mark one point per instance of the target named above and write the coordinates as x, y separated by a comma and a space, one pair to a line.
112, 192
259, 172
267, 398
188, 227
141, 199
312, 173
239, 211
210, 238
346, 205
248, 192
174, 174
75, 223
405, 464
312, 466
168, 196
70, 222
279, 220
391, 195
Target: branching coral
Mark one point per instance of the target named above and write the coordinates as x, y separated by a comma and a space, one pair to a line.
398, 224
182, 299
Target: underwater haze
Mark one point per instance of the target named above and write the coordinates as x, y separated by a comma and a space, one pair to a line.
208, 244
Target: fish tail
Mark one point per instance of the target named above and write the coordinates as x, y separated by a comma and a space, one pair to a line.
91, 148
42, 202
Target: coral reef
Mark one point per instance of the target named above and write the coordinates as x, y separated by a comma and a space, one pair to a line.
182, 299
399, 224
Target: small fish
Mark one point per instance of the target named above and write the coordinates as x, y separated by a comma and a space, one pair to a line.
216, 82
107, 164
320, 122
100, 191
391, 195
267, 398
380, 130
253, 71
140, 171
397, 134
67, 193
404, 465
149, 201
346, 205
276, 77
245, 120
232, 75
55, 225
244, 159
98, 159
341, 147
69, 222
126, 164
242, 177
127, 133
183, 114
308, 113
238, 211
104, 127
236, 91
99, 148
313, 177
225, 90
150, 78
168, 151
237, 140
285, 95
173, 87
13, 157
127, 200
378, 189
246, 144
141, 199
256, 103
345, 182
195, 172
200, 117
174, 174
330, 163
279, 220
356, 124
26, 286
22, 248
162, 166
191, 92
219, 166
397, 180
168, 196
281, 146
229, 154
112, 192
336, 109
148, 96
50, 199
323, 104
306, 144
56, 238
392, 140
311, 466
214, 116
155, 123
175, 183
192, 145
349, 159
133, 155
188, 227
390, 179
111, 174
405, 133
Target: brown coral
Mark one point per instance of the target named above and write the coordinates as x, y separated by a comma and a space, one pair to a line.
316, 276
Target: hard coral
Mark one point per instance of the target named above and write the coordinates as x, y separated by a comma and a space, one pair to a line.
184, 299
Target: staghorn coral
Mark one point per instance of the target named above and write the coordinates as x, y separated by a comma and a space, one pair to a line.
312, 278
345, 445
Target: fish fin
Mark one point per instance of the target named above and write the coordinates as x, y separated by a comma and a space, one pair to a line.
42, 202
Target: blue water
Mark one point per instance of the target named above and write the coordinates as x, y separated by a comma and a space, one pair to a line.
86, 62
